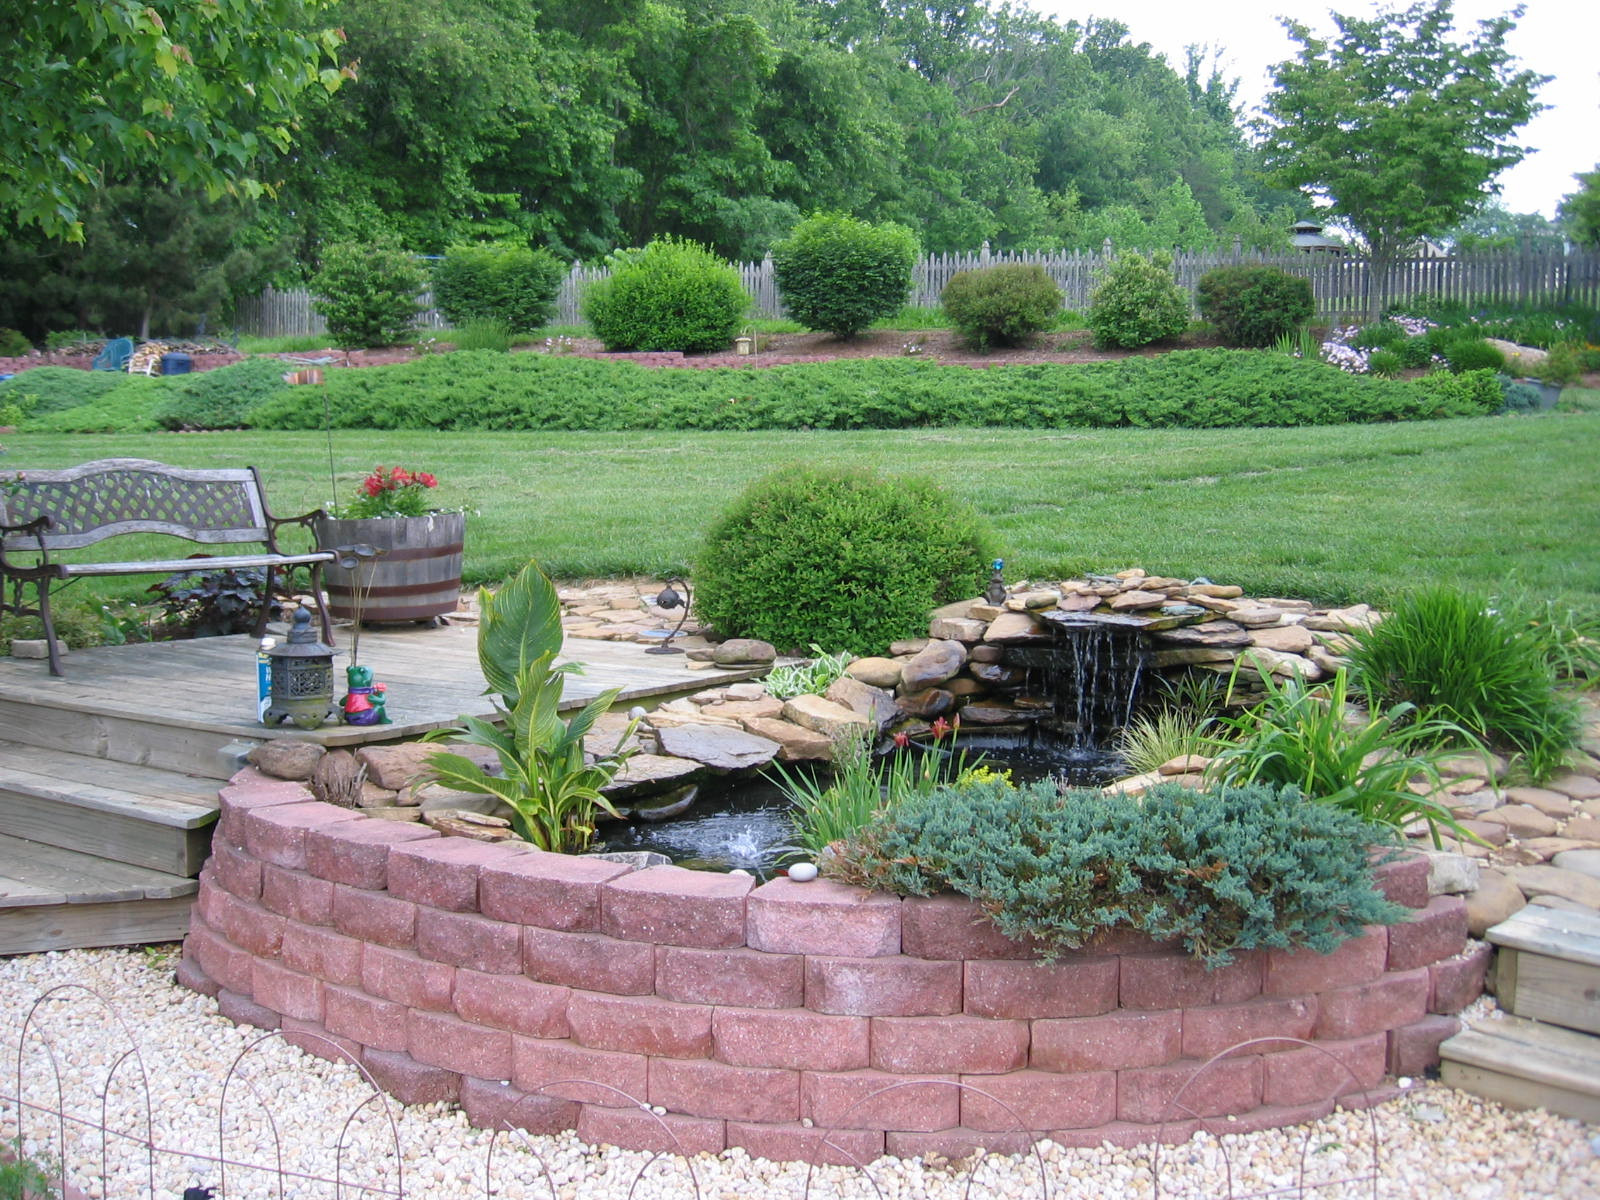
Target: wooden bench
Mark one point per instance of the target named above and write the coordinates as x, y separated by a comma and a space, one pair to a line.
45, 514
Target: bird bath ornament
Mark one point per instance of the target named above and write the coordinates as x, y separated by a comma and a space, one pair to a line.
995, 593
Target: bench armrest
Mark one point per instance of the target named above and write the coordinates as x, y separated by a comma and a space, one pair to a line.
35, 529
306, 521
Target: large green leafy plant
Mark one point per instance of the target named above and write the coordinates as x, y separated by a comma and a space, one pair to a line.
839, 274
553, 790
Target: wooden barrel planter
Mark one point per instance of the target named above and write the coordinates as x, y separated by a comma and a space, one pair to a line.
416, 578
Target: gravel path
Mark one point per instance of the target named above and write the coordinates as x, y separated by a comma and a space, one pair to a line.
1433, 1142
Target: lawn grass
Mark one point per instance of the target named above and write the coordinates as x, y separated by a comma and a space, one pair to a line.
1334, 513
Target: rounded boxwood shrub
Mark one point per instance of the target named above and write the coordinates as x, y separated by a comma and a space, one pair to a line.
1254, 306
1004, 305
1138, 302
846, 559
674, 295
838, 275
497, 282
368, 293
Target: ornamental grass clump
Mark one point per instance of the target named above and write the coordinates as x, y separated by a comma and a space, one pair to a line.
1312, 739
1223, 871
1488, 667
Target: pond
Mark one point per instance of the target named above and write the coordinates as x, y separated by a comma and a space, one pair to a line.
744, 824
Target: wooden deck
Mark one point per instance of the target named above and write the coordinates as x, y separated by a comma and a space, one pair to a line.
109, 775
206, 687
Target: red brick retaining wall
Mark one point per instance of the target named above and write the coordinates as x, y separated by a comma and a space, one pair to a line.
559, 992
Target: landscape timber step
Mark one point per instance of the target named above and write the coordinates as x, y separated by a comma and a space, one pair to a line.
139, 815
55, 899
1548, 966
1526, 1064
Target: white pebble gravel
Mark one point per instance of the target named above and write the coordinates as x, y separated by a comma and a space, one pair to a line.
1433, 1142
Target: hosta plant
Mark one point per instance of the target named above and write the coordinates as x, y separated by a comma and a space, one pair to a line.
551, 787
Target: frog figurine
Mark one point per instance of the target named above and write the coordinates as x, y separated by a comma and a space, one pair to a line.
364, 704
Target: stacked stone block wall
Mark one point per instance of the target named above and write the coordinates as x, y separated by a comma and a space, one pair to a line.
798, 1021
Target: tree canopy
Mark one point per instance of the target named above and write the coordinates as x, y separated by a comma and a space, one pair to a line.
194, 94
1398, 123
1580, 212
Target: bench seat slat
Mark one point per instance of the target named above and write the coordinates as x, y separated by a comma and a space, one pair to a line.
169, 565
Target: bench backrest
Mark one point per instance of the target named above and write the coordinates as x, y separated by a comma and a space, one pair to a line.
97, 500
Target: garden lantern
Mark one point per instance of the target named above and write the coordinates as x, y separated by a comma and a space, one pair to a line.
302, 678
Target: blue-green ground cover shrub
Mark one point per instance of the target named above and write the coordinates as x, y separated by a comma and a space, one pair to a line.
1223, 871
674, 295
1184, 389
1138, 302
495, 282
1004, 305
839, 274
1254, 305
837, 557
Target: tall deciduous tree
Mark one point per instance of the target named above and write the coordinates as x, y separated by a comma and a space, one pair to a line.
1580, 212
1399, 123
195, 93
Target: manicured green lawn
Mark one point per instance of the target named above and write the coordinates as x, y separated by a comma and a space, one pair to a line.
1332, 513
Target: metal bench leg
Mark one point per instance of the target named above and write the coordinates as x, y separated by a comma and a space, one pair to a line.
322, 603
266, 606
42, 587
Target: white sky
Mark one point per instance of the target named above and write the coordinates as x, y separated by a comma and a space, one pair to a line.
1554, 37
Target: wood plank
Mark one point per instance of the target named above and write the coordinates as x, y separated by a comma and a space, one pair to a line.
1553, 932
28, 930
78, 878
118, 837
1526, 1064
1549, 989
124, 789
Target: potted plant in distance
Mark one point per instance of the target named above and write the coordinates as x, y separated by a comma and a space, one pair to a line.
417, 573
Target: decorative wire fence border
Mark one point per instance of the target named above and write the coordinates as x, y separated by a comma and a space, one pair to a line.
143, 1140
1343, 285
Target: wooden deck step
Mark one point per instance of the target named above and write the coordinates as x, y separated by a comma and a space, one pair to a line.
1526, 1064
1548, 966
140, 815
55, 899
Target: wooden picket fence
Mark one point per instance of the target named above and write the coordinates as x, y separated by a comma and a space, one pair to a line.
1343, 285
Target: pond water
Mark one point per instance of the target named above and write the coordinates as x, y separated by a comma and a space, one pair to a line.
745, 824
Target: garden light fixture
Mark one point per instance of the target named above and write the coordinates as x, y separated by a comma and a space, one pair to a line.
668, 599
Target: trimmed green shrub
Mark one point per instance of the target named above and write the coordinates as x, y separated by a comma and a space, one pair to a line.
368, 293
497, 282
1138, 302
1198, 389
839, 275
13, 344
129, 406
1254, 305
1004, 305
221, 399
1520, 397
1455, 655
1232, 870
839, 558
676, 295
